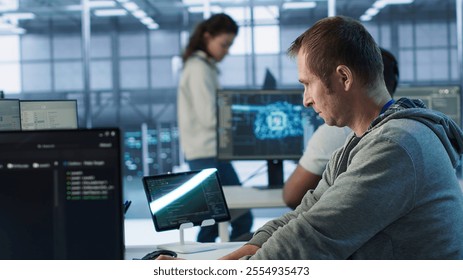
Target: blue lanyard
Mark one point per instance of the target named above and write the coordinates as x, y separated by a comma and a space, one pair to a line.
386, 106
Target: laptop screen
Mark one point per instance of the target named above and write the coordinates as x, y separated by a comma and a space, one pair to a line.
188, 197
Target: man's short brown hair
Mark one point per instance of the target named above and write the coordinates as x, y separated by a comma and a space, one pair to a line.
337, 41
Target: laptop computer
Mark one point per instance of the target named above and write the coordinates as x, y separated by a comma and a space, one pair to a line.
183, 200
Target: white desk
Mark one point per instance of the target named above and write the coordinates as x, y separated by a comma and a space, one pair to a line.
247, 198
138, 251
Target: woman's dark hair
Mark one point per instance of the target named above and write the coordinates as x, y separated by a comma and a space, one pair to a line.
215, 25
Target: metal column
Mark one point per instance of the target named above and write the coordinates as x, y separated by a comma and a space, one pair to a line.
331, 8
86, 60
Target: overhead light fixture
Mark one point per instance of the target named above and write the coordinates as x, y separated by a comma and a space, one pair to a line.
372, 12
298, 5
18, 30
147, 20
153, 26
201, 2
365, 18
9, 22
398, 2
381, 4
91, 5
18, 16
192, 2
130, 6
200, 9
9, 5
101, 4
139, 14
110, 13
10, 29
13, 31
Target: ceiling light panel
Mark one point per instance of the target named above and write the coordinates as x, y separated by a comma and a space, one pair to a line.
110, 13
298, 5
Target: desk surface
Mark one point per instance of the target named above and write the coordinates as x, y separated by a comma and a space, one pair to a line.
246, 197
138, 251
239, 198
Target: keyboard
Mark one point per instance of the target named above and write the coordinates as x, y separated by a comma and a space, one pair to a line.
189, 247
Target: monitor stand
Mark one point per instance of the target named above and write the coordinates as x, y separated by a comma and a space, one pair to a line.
275, 174
189, 247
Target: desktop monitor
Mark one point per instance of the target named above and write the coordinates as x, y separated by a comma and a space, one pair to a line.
270, 125
48, 114
445, 99
61, 195
9, 114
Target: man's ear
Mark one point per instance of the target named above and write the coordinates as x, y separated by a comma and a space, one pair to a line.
345, 76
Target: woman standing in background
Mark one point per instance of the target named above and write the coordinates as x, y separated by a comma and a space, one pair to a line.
196, 101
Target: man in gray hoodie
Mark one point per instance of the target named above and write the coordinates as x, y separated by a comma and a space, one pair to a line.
391, 192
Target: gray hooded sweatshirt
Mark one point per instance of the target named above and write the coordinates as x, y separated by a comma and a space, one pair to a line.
390, 194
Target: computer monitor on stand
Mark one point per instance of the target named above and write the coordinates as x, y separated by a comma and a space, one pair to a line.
270, 125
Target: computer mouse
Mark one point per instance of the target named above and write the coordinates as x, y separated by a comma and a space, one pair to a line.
153, 255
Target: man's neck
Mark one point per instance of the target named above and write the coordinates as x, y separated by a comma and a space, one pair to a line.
366, 110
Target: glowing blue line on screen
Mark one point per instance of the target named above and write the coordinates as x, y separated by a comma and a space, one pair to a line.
247, 108
264, 108
182, 190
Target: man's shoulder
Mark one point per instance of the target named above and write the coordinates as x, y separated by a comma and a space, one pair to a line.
399, 130
395, 125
